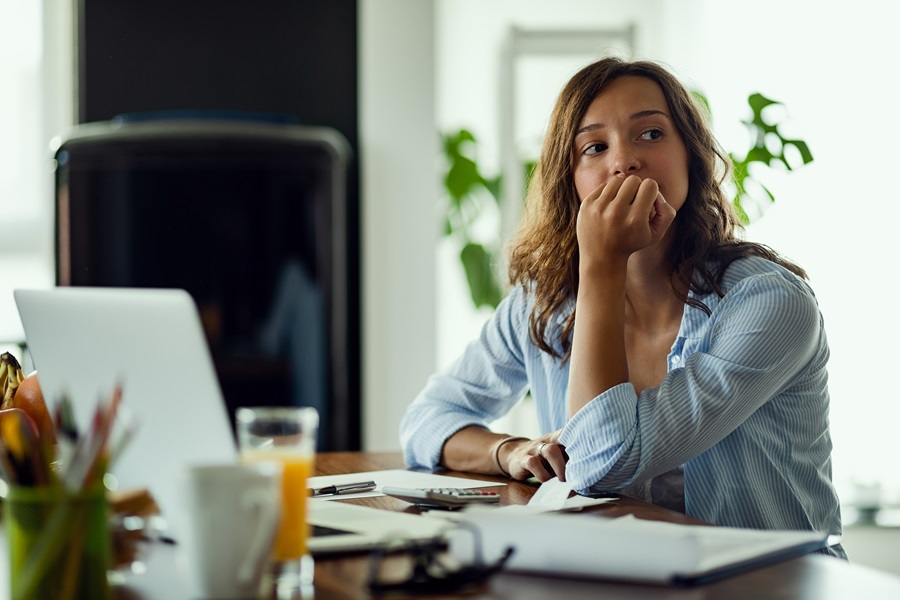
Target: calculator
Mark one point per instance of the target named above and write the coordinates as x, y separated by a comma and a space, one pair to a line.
442, 497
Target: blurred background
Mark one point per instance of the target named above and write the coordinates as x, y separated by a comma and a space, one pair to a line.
393, 76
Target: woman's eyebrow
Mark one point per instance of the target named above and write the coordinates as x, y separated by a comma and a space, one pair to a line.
638, 115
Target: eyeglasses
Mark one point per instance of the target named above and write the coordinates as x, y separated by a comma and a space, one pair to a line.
430, 570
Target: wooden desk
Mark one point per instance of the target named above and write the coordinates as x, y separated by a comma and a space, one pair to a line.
811, 577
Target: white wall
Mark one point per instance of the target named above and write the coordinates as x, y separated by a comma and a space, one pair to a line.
398, 146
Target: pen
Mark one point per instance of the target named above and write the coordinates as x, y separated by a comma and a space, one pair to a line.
343, 488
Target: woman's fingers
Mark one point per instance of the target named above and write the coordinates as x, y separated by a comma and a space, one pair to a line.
541, 458
652, 212
555, 457
621, 217
662, 217
538, 468
645, 196
616, 189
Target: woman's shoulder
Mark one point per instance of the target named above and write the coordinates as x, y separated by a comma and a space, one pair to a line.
515, 312
515, 306
749, 268
763, 274
753, 275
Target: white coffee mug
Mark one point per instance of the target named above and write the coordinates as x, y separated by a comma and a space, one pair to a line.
232, 515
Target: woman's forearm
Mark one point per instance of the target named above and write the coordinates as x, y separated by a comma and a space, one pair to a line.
474, 449
598, 360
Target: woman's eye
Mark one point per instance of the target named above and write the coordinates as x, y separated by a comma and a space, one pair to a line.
595, 148
653, 134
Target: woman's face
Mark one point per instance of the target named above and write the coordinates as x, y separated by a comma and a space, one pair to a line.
628, 130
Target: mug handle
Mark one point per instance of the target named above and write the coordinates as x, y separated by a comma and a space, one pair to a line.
267, 503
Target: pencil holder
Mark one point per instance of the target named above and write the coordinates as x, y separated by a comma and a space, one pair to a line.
59, 543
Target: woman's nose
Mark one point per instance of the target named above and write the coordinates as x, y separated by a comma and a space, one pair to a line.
625, 163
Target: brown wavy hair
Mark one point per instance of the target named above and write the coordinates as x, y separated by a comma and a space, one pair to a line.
544, 255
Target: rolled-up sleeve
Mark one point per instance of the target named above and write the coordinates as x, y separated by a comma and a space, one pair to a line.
763, 339
482, 385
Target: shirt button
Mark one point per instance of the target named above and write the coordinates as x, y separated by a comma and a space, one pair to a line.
676, 359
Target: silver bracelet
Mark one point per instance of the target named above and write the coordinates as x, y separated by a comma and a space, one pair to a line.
496, 451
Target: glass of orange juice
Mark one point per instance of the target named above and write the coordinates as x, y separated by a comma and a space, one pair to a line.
286, 434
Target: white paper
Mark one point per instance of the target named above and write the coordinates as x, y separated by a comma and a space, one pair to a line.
625, 548
579, 502
394, 478
552, 494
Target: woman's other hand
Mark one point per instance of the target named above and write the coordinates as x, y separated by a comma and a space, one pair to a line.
543, 458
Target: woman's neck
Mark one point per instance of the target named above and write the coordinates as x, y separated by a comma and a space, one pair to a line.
651, 302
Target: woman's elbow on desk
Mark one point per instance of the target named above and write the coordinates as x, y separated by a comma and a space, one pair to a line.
586, 473
424, 431
586, 468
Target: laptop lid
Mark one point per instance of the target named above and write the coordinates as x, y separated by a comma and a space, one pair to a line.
84, 340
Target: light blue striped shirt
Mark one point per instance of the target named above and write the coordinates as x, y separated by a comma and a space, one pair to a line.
743, 408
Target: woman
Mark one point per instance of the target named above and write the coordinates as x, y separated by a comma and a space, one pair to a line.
667, 359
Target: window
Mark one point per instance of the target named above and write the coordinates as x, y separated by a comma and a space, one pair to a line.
37, 103
20, 119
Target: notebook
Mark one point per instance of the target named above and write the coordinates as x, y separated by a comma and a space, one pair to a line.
84, 340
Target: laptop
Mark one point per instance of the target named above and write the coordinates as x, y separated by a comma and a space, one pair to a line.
84, 340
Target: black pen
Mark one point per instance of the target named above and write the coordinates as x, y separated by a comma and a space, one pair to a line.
343, 488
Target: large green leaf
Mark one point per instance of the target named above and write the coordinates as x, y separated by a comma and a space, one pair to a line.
760, 153
492, 184
453, 142
801, 147
461, 178
478, 264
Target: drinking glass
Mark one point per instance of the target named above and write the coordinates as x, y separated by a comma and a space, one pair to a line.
286, 434
58, 543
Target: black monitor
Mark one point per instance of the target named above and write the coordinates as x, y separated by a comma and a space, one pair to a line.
248, 216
